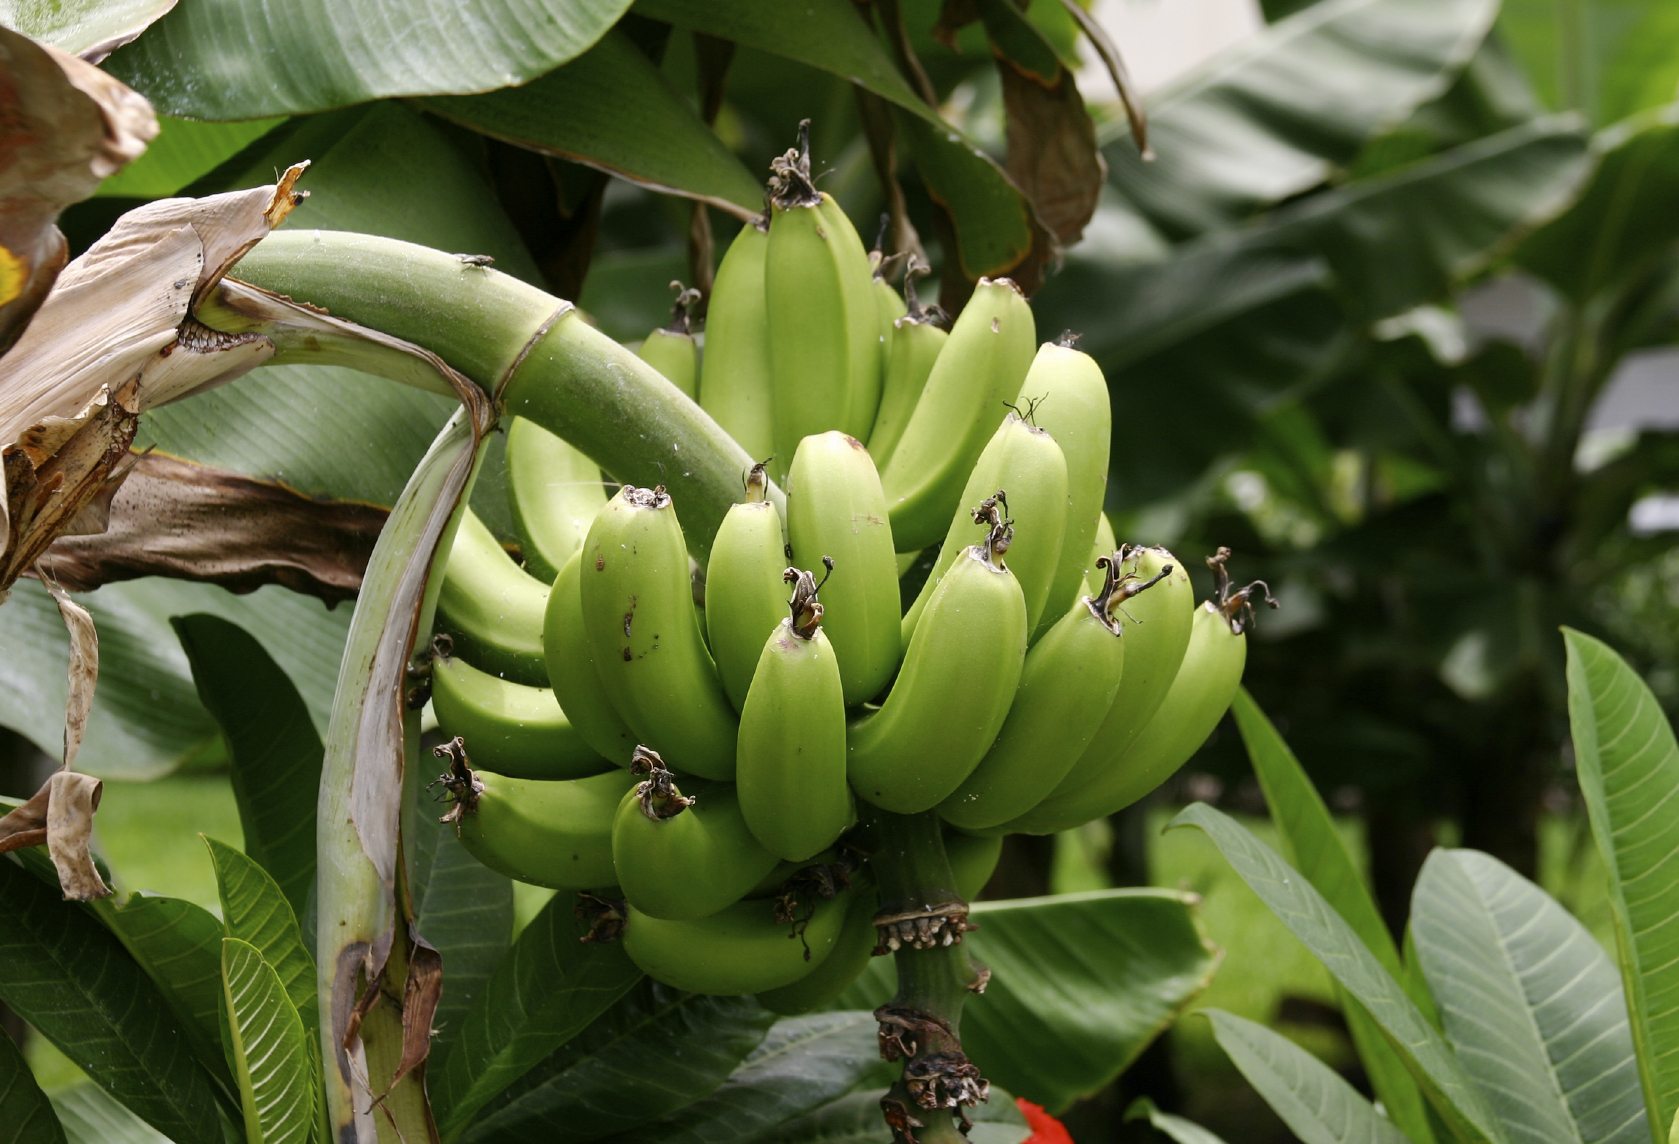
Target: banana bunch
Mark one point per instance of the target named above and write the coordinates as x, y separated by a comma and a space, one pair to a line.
692, 747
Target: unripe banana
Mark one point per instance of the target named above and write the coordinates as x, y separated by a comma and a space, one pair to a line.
571, 669
740, 949
491, 608
912, 348
554, 833
517, 730
978, 371
950, 698
671, 348
973, 859
1094, 573
1067, 395
679, 857
554, 492
1025, 463
735, 376
1156, 622
644, 635
744, 595
835, 508
1066, 690
790, 765
823, 320
851, 955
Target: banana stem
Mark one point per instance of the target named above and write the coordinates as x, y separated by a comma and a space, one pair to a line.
921, 922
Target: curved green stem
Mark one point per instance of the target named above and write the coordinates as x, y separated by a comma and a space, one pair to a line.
532, 351
922, 919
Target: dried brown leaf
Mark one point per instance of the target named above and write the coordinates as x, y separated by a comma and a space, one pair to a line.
420, 994
188, 521
84, 672
70, 808
26, 825
1052, 152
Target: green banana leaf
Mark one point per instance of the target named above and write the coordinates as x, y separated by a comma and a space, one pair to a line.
1312, 1099
1311, 844
1608, 59
269, 1049
1275, 113
1299, 906
274, 748
1628, 766
24, 1108
76, 985
184, 151
1529, 1000
82, 26
547, 989
254, 910
248, 58
599, 1083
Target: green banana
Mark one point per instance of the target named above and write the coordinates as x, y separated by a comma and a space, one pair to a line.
735, 374
554, 833
913, 345
823, 320
1094, 573
790, 764
554, 492
1200, 694
644, 634
519, 731
978, 371
973, 859
671, 348
679, 857
1156, 616
742, 948
851, 955
1066, 690
950, 698
1025, 463
744, 596
571, 669
491, 608
1067, 395
835, 509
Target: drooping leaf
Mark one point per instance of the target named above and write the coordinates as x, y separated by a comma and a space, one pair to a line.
184, 151
547, 989
1530, 1002
1628, 765
254, 909
621, 117
276, 752
269, 1048
1271, 116
71, 980
1312, 845
1133, 959
1312, 1099
24, 1109
250, 58
599, 1083
1303, 910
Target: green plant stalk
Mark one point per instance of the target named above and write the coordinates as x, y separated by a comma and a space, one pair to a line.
913, 873
533, 352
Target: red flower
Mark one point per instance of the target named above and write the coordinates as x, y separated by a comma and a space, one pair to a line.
1045, 1128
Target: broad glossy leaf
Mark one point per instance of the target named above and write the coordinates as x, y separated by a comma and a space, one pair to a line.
599, 1082
547, 989
1311, 1098
90, 1116
275, 749
255, 910
461, 907
1132, 959
70, 979
82, 27
1619, 224
1609, 58
1628, 765
621, 117
1311, 919
1312, 845
269, 1048
1271, 116
184, 150
24, 1108
1530, 1002
241, 59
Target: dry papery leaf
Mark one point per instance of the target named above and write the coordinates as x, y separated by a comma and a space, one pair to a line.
115, 338
68, 126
